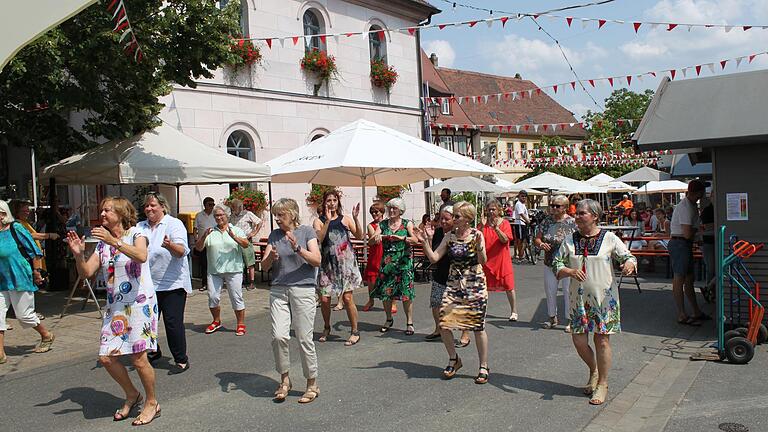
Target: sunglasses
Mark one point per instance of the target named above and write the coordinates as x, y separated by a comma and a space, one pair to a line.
556, 206
373, 212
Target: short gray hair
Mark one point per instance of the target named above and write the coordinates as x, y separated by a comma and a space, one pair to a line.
561, 199
161, 199
234, 202
591, 206
397, 202
223, 208
8, 218
448, 209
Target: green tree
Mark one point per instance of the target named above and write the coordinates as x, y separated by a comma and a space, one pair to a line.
78, 70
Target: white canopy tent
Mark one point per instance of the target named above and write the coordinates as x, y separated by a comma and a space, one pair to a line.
163, 155
24, 21
466, 184
600, 179
364, 153
616, 187
664, 186
557, 183
644, 174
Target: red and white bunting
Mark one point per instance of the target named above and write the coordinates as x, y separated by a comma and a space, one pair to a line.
534, 126
122, 24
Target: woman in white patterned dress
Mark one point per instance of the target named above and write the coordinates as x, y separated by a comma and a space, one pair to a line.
130, 320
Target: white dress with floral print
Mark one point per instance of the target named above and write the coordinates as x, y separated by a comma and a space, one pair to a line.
130, 321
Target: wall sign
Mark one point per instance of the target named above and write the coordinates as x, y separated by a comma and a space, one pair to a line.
737, 206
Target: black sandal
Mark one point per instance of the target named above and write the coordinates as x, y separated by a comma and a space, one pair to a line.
119, 416
349, 341
450, 370
482, 377
387, 325
409, 331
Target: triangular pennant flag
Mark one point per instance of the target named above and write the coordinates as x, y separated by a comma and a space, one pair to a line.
509, 128
456, 127
554, 87
573, 85
562, 126
600, 23
485, 99
570, 125
592, 82
728, 29
472, 24
553, 126
545, 126
722, 63
752, 57
517, 129
711, 67
526, 127
111, 5
504, 20
295, 39
489, 23
745, 28
535, 128
620, 122
336, 38
637, 26
629, 80
490, 128
441, 26
323, 38
630, 121
412, 30
652, 74
530, 93
738, 62
698, 70
269, 43
671, 27
684, 71
569, 20
610, 80
689, 28
538, 91
282, 42
461, 99
672, 72
584, 22
654, 26
498, 97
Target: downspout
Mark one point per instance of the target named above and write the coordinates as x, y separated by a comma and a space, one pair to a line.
422, 105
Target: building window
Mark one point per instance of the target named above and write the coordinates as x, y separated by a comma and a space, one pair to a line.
445, 109
239, 144
221, 4
461, 144
446, 142
378, 47
313, 26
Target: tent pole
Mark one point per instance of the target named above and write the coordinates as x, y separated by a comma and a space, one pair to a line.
34, 177
271, 218
178, 204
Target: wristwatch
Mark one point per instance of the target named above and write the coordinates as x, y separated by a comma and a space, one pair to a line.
298, 248
118, 245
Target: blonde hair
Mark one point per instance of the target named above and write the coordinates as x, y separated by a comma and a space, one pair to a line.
161, 199
492, 202
288, 205
465, 209
561, 199
123, 209
8, 218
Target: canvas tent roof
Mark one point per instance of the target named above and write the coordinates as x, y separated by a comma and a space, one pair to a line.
162, 155
466, 184
705, 112
644, 174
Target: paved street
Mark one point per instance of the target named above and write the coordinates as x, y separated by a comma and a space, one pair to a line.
392, 382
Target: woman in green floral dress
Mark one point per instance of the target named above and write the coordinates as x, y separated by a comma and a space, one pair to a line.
395, 281
586, 258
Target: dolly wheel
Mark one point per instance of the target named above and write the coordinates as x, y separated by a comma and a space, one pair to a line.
743, 331
739, 350
730, 334
762, 334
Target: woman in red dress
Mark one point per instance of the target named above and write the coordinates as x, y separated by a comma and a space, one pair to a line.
498, 270
375, 252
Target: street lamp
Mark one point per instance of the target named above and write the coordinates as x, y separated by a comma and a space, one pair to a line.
433, 109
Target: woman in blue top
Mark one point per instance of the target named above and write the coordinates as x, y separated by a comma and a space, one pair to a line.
18, 277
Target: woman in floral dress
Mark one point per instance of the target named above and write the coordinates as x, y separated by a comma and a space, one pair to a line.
130, 319
586, 257
339, 273
395, 281
465, 299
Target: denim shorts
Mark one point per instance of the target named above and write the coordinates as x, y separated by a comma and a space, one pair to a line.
681, 257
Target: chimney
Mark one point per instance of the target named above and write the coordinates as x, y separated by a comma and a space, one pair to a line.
433, 59
518, 76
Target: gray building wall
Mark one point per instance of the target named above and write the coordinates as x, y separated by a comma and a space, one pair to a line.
739, 169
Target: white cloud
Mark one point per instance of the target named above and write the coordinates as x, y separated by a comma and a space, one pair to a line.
594, 51
641, 50
445, 53
579, 110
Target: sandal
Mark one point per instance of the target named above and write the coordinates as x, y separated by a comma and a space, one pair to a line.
213, 327
450, 370
568, 329
598, 397
240, 330
140, 422
409, 331
119, 416
432, 336
394, 308
282, 392
45, 344
387, 325
513, 317
463, 344
339, 306
368, 306
482, 377
310, 395
550, 324
324, 337
592, 383
354, 334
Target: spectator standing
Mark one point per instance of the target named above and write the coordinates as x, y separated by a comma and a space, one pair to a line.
203, 221
250, 224
520, 225
445, 196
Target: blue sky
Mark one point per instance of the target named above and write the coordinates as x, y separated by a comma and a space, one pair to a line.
611, 51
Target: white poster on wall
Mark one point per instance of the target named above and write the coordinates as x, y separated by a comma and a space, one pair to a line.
737, 206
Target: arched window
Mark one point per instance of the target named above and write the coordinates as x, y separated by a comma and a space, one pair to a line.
377, 44
313, 26
243, 14
239, 144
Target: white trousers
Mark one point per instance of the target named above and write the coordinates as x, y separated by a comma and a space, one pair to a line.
293, 305
550, 288
234, 283
23, 303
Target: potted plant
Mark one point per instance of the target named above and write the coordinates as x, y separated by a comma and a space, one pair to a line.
386, 193
319, 63
253, 200
245, 52
383, 75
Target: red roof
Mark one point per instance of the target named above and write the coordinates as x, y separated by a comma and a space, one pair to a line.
438, 87
539, 109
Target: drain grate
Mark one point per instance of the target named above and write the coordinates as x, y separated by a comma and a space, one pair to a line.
732, 427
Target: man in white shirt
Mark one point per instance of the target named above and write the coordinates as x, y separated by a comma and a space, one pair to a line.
203, 221
520, 224
683, 227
